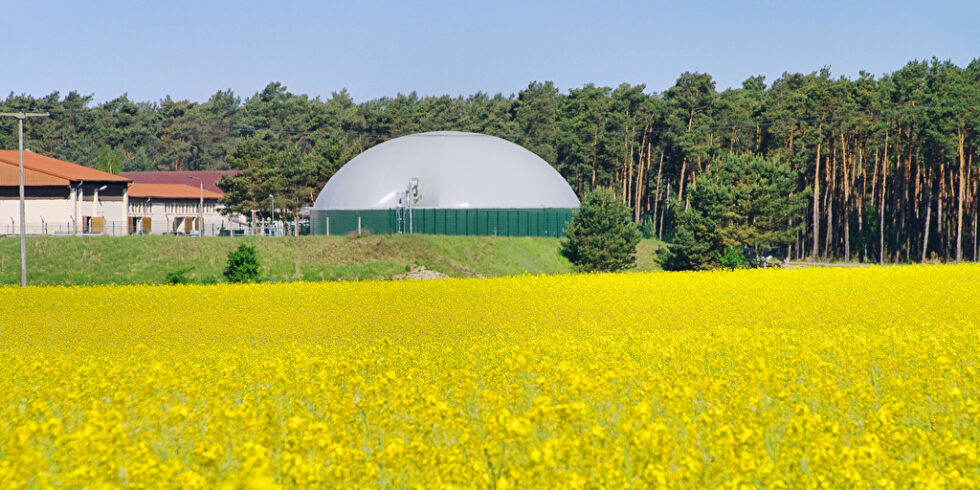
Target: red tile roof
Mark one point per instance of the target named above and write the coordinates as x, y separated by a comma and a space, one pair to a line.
53, 167
210, 177
10, 176
169, 191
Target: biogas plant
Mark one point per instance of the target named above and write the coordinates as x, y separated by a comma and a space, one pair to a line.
447, 183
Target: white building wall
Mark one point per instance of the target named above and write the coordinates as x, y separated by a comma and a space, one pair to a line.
68, 216
165, 215
56, 215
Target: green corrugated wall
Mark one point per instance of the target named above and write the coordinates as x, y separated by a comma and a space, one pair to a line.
503, 222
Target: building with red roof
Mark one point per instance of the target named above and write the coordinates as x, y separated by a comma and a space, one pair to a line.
61, 197
69, 199
177, 202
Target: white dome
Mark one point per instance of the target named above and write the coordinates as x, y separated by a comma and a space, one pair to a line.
455, 170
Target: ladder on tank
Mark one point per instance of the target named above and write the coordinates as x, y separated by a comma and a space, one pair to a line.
405, 212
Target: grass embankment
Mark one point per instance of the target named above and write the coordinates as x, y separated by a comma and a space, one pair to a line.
147, 259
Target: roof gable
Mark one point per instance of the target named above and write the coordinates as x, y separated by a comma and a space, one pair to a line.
57, 168
10, 176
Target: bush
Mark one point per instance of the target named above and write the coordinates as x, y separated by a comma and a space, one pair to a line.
178, 276
243, 264
731, 258
601, 236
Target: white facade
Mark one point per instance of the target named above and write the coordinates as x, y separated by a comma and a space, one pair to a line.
159, 216
82, 212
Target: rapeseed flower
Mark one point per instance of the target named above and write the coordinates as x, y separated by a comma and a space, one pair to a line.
783, 379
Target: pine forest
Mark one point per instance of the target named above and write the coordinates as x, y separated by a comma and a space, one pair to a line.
889, 164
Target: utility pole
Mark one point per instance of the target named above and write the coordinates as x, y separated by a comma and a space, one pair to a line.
200, 207
20, 158
273, 213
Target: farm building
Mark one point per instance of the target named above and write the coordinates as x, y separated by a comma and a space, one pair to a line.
168, 202
61, 197
173, 208
448, 183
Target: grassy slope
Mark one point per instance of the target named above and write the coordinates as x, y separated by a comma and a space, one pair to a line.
147, 259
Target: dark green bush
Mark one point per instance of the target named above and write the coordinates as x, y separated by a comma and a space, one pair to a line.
178, 276
243, 265
731, 258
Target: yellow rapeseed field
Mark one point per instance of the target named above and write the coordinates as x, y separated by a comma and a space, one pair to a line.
832, 378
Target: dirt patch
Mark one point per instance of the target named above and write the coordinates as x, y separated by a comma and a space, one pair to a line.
419, 272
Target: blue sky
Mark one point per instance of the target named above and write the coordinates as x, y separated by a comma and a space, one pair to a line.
191, 49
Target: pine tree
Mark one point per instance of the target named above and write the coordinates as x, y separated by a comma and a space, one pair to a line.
601, 236
243, 264
741, 201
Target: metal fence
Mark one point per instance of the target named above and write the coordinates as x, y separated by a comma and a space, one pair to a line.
122, 228
477, 221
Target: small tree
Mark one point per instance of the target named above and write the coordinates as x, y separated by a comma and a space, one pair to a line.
600, 235
243, 264
178, 276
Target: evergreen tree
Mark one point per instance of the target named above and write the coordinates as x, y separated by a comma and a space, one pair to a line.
601, 236
740, 201
243, 264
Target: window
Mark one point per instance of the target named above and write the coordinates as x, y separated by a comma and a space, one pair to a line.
139, 207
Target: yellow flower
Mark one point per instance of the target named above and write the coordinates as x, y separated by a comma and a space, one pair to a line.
830, 378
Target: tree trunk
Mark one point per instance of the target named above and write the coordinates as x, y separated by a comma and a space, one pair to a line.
627, 177
656, 202
680, 181
959, 197
847, 198
660, 229
828, 248
816, 207
884, 195
925, 229
939, 207
903, 227
864, 195
638, 185
976, 212
694, 185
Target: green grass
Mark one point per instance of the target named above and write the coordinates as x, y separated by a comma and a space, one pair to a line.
148, 259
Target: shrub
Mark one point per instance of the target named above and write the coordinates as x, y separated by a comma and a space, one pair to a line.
178, 276
243, 264
731, 258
